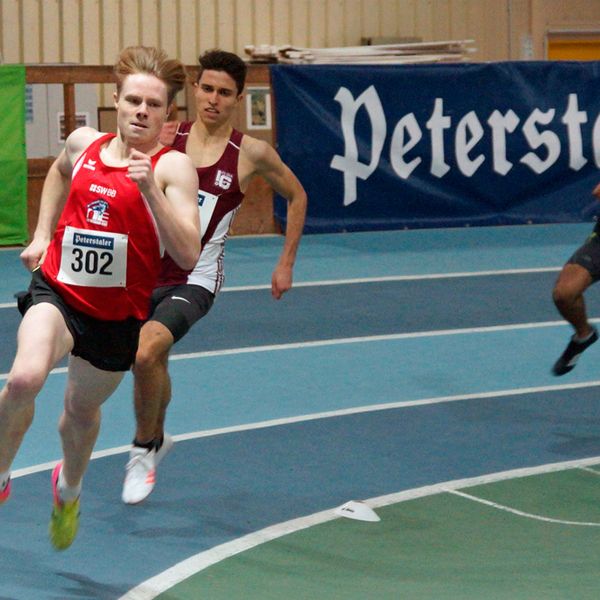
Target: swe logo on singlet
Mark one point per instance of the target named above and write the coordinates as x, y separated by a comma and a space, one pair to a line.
223, 179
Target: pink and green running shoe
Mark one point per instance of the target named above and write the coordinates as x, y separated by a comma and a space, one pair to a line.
64, 521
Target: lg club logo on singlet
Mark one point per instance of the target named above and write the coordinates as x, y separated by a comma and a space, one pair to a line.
97, 212
223, 179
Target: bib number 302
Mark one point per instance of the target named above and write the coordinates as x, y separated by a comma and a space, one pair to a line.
93, 259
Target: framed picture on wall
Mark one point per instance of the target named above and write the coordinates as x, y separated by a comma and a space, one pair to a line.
258, 108
82, 119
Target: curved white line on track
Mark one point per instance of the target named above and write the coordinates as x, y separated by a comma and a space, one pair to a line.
521, 513
375, 338
386, 278
326, 415
151, 588
354, 340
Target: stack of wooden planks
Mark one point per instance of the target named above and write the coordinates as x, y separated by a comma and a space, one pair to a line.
404, 53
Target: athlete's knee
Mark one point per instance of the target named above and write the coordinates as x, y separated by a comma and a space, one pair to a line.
150, 357
565, 295
22, 386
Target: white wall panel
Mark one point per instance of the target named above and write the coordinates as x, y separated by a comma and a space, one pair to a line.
226, 24
334, 19
149, 17
90, 32
168, 26
130, 23
188, 49
12, 32
93, 31
70, 28
299, 23
317, 24
207, 24
389, 18
244, 31
407, 26
281, 22
31, 19
262, 19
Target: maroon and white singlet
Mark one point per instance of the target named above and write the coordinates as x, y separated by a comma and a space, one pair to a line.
104, 258
219, 198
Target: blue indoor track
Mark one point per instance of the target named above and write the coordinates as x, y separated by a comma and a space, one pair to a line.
399, 360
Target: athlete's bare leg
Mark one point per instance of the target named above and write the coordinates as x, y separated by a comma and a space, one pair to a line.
568, 297
87, 388
42, 340
152, 383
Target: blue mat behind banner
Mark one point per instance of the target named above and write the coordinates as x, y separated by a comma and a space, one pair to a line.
391, 147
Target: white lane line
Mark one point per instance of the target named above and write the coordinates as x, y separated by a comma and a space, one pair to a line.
590, 470
355, 340
375, 338
325, 415
151, 588
352, 281
521, 513
385, 278
332, 414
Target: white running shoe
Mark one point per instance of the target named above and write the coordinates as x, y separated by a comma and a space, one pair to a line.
162, 451
140, 475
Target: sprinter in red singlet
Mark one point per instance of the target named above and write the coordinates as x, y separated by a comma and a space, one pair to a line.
110, 204
226, 161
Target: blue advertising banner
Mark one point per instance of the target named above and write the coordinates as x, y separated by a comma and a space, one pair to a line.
390, 147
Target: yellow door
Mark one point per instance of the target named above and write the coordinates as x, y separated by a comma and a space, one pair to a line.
573, 47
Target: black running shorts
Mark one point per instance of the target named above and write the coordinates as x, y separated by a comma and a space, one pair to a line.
178, 307
107, 345
588, 256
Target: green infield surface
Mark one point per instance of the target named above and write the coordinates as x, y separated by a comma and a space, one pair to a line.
535, 537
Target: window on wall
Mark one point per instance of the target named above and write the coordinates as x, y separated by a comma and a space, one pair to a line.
573, 46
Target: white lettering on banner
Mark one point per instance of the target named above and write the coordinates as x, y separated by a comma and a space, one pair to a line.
501, 124
436, 124
349, 163
573, 118
468, 134
537, 139
409, 124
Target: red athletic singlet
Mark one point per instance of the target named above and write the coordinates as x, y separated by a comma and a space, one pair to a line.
219, 197
104, 257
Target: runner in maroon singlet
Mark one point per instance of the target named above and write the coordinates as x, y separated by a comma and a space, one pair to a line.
226, 161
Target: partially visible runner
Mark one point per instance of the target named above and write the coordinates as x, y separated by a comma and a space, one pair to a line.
579, 272
110, 202
226, 161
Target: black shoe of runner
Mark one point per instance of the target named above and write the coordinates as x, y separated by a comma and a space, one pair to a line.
573, 351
